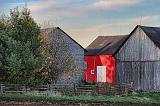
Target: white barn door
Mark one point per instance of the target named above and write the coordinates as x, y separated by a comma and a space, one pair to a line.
101, 73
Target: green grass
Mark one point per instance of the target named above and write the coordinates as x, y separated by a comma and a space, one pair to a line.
143, 98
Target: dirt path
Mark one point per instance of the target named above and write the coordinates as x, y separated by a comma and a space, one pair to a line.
54, 103
24, 103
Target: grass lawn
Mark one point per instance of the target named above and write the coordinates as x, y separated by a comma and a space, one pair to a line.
143, 98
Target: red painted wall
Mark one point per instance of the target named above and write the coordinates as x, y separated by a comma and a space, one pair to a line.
99, 60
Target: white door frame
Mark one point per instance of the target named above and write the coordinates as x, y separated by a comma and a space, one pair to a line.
101, 73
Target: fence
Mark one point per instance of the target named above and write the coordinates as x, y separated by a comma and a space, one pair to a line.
48, 90
61, 90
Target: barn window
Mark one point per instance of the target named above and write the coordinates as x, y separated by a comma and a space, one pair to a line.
85, 64
92, 71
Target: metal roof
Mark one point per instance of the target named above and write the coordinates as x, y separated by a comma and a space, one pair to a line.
105, 45
153, 33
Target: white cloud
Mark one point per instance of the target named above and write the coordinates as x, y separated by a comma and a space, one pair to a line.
48, 4
70, 8
67, 8
41, 5
114, 4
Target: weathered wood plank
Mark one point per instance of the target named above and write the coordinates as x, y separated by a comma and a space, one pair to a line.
138, 61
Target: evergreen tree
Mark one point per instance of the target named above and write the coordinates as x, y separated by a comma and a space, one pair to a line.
22, 27
20, 44
3, 38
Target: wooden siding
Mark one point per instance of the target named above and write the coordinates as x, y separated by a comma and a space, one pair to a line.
138, 61
74, 51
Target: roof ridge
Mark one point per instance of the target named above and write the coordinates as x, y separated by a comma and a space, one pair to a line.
148, 26
54, 28
71, 38
114, 35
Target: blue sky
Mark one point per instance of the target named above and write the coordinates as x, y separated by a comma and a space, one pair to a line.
84, 20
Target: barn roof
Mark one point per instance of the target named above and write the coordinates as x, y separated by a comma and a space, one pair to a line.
153, 33
105, 45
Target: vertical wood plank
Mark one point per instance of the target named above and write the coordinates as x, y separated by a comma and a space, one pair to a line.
138, 61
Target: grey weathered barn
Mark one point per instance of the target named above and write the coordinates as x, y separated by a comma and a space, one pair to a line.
138, 59
137, 56
67, 57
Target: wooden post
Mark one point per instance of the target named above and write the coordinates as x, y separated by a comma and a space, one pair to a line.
97, 89
49, 89
25, 88
74, 89
1, 87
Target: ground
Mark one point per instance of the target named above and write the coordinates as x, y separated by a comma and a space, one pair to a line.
135, 99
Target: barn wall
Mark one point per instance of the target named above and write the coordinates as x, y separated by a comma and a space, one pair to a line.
138, 61
90, 65
75, 73
99, 60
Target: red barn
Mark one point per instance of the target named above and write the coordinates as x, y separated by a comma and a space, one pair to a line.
100, 61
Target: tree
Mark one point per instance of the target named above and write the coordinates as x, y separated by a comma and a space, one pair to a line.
3, 38
22, 27
21, 42
60, 62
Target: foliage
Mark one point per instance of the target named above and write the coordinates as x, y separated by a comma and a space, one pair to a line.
60, 62
63, 61
22, 27
3, 21
45, 50
3, 38
28, 56
20, 44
